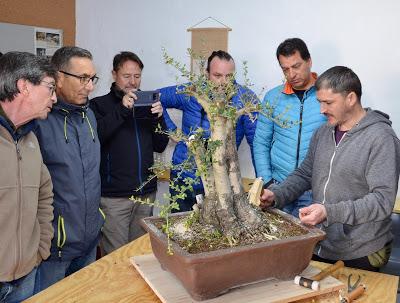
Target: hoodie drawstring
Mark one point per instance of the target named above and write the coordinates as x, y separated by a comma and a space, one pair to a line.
90, 125
65, 124
84, 117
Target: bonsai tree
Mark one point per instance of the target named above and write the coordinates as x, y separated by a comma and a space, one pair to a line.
225, 211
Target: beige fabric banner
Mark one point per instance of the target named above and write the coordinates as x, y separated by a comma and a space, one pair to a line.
205, 41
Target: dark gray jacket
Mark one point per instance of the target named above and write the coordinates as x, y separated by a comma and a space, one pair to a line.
71, 151
356, 181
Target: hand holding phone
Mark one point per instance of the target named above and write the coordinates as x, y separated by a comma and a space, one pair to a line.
129, 99
157, 109
146, 98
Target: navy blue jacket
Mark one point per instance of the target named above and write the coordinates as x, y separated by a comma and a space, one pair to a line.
71, 151
127, 145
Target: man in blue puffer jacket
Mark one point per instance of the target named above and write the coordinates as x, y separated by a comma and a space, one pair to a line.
279, 150
220, 66
71, 150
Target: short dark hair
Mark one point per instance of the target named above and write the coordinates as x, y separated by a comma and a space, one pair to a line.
340, 79
122, 57
22, 65
1, 54
290, 46
221, 55
63, 55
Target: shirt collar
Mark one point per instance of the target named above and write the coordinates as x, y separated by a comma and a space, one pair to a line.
288, 89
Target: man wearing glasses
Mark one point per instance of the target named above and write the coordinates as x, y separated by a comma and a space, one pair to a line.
26, 92
71, 151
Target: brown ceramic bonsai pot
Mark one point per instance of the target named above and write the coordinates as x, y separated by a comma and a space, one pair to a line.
209, 274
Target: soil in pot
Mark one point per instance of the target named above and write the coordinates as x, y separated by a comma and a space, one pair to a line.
196, 237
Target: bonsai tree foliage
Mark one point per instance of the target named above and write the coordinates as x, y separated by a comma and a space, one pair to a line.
225, 210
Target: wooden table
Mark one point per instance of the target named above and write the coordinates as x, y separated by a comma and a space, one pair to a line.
114, 279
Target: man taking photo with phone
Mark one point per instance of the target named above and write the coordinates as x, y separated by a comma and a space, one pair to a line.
128, 139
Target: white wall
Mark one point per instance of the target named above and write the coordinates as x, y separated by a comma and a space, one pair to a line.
361, 34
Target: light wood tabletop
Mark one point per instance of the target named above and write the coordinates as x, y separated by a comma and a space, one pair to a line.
114, 279
110, 279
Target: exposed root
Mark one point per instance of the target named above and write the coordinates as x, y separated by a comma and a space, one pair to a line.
246, 212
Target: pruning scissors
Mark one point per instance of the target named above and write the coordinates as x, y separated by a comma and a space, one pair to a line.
350, 287
354, 291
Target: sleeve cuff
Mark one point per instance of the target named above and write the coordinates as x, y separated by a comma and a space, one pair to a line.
332, 213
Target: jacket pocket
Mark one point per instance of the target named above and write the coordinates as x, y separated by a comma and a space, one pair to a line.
338, 236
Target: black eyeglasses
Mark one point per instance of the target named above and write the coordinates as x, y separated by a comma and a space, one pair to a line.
84, 79
51, 86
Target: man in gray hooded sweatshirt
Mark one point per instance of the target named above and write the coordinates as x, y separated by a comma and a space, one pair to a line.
352, 167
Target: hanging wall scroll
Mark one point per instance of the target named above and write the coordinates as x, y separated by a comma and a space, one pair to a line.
205, 40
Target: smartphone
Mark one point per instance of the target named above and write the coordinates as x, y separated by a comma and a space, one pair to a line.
146, 98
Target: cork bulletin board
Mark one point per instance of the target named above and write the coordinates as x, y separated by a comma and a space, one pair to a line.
42, 13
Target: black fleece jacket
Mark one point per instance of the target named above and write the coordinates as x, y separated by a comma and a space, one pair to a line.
127, 145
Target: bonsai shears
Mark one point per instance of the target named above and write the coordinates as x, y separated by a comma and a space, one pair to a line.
354, 291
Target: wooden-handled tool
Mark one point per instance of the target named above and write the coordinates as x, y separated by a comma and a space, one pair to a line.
313, 282
356, 293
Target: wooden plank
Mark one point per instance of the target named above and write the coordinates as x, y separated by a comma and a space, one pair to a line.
170, 290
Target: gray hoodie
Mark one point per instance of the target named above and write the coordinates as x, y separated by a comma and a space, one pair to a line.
356, 181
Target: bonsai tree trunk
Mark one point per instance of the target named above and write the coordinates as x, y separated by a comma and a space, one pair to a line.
225, 204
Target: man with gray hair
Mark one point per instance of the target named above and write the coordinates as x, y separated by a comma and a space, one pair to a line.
71, 151
27, 85
352, 166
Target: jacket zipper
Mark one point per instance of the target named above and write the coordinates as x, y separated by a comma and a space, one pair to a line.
139, 155
18, 250
108, 168
330, 164
299, 136
329, 176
